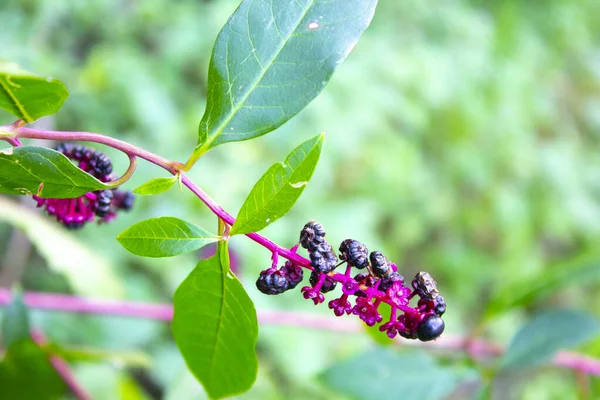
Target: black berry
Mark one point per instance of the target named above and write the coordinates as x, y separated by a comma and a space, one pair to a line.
430, 328
440, 306
381, 266
272, 281
312, 235
100, 165
425, 286
322, 258
127, 201
103, 203
364, 279
354, 253
293, 273
328, 285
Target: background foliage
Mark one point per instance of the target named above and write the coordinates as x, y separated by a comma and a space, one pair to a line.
462, 139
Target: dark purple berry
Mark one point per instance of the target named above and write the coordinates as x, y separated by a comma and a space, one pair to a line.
272, 281
293, 273
78, 151
100, 165
430, 328
440, 306
65, 148
322, 258
103, 203
127, 201
354, 253
380, 265
407, 335
312, 235
328, 285
386, 283
425, 286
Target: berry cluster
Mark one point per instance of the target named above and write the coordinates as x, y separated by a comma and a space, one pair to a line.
381, 283
104, 204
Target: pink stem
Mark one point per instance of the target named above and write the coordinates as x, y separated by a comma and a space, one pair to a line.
62, 368
476, 347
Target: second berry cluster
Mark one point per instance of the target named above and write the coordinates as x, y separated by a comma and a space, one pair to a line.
377, 282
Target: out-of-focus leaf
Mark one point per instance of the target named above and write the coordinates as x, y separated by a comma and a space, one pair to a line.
215, 327
129, 389
271, 59
164, 237
44, 172
384, 373
155, 186
136, 359
26, 373
15, 322
537, 341
582, 270
88, 272
278, 189
29, 97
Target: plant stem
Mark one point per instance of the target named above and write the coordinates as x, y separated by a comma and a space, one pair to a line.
477, 348
62, 368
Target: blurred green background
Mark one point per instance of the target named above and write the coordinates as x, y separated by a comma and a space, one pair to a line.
462, 139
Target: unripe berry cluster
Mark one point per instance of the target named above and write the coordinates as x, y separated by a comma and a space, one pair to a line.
103, 204
381, 283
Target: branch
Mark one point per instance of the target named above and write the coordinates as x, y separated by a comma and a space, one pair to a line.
62, 368
477, 348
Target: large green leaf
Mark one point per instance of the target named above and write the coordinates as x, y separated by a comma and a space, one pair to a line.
155, 186
384, 373
43, 171
26, 373
582, 270
89, 273
27, 96
215, 327
544, 335
164, 237
271, 59
278, 189
15, 322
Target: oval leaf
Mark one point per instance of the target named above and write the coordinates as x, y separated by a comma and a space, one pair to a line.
271, 59
215, 327
164, 237
392, 375
27, 96
156, 186
45, 172
544, 335
581, 270
26, 373
278, 189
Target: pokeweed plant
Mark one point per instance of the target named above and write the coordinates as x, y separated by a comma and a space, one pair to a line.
269, 61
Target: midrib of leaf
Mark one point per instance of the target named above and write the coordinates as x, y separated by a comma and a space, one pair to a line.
221, 311
4, 83
255, 82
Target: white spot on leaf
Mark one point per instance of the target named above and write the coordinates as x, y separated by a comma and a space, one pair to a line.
268, 220
313, 25
299, 185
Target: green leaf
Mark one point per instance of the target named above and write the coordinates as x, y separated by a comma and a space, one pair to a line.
156, 186
392, 375
132, 359
271, 59
164, 237
278, 189
215, 327
45, 172
64, 252
15, 323
544, 335
582, 270
26, 373
27, 96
